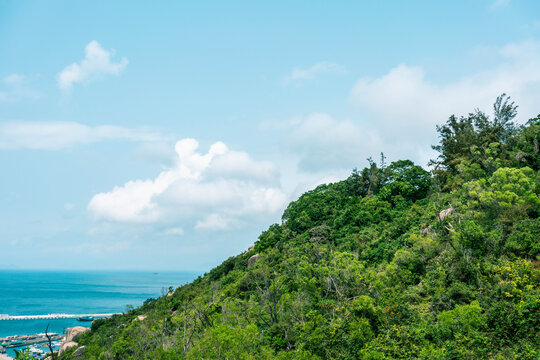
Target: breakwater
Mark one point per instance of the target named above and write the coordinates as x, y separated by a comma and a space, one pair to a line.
53, 316
25, 340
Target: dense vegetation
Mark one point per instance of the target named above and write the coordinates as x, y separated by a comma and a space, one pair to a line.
392, 263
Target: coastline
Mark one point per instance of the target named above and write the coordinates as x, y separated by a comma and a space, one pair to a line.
38, 343
27, 292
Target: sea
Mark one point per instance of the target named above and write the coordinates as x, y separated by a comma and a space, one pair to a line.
76, 292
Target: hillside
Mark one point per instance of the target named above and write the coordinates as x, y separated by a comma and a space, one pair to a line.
393, 262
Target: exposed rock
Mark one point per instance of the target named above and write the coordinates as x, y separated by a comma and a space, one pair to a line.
66, 346
71, 333
79, 351
251, 248
253, 259
445, 213
140, 317
425, 231
171, 293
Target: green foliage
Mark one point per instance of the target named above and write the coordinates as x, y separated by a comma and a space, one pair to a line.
475, 146
225, 342
407, 180
24, 354
269, 238
527, 149
368, 268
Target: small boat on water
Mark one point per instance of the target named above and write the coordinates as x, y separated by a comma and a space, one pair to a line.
36, 351
86, 318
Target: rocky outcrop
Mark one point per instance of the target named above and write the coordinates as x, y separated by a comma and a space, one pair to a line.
443, 214
79, 351
73, 332
252, 260
251, 248
66, 346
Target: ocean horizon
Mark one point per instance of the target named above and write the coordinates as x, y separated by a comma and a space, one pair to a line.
42, 292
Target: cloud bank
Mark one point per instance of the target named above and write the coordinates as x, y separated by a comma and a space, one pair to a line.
217, 190
96, 63
323, 143
60, 135
405, 104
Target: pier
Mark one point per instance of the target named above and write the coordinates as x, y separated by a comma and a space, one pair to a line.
25, 340
53, 316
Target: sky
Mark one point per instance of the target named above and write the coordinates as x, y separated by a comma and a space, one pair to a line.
167, 135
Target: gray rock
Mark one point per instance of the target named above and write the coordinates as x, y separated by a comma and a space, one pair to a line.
66, 346
71, 333
252, 260
445, 213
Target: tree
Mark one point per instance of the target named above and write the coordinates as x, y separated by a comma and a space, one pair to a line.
475, 145
407, 180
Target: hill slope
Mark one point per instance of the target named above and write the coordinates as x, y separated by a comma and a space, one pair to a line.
391, 263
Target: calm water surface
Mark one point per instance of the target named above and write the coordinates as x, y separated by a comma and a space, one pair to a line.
49, 292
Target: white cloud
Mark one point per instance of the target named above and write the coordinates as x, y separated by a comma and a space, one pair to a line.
222, 183
404, 104
323, 142
59, 135
301, 74
239, 165
16, 87
14, 79
400, 109
96, 63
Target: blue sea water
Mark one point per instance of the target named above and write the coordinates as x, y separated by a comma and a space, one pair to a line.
80, 292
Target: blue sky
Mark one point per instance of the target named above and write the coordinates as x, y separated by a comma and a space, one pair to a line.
168, 135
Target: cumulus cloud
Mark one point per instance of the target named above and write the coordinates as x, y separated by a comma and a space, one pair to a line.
301, 74
400, 109
96, 63
323, 143
215, 190
60, 135
404, 103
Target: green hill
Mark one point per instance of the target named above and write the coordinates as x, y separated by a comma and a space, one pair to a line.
393, 262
